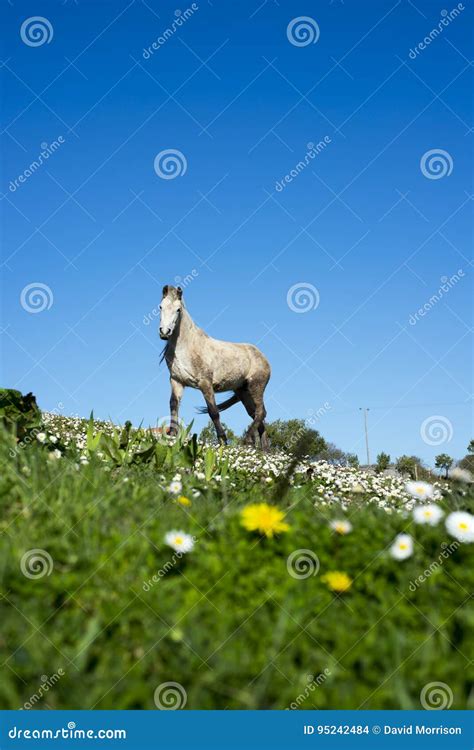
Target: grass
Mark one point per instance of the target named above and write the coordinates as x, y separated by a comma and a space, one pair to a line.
226, 621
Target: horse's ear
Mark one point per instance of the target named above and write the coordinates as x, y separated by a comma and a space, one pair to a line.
165, 290
180, 292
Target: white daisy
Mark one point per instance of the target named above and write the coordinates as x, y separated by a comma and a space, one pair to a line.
175, 487
421, 490
460, 524
179, 541
428, 514
41, 437
402, 547
341, 527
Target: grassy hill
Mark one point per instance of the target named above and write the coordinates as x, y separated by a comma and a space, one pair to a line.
301, 605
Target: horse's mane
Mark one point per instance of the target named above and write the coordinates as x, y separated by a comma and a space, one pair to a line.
164, 351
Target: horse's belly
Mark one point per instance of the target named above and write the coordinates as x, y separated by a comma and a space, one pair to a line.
227, 383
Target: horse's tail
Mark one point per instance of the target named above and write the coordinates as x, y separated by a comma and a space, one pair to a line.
225, 404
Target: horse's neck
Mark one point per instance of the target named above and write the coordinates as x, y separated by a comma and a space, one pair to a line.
186, 333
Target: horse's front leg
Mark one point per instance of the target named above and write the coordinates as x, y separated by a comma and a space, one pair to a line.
208, 393
176, 393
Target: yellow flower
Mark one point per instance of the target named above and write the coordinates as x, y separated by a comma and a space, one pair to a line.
183, 501
264, 518
337, 581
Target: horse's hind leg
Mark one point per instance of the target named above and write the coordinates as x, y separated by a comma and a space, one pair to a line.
252, 399
249, 403
264, 443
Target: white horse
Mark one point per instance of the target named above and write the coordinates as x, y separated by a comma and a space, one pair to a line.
196, 360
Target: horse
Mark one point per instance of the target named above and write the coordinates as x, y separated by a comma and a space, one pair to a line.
196, 360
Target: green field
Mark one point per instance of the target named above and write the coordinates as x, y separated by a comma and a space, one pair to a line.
105, 613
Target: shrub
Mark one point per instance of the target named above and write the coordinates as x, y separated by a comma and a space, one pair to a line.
19, 414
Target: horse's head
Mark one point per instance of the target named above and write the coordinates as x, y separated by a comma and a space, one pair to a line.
170, 310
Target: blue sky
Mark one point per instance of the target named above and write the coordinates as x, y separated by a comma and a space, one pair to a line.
361, 223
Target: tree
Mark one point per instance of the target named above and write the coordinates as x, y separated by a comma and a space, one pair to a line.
208, 434
332, 454
293, 434
352, 460
383, 462
470, 447
443, 461
408, 465
467, 462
